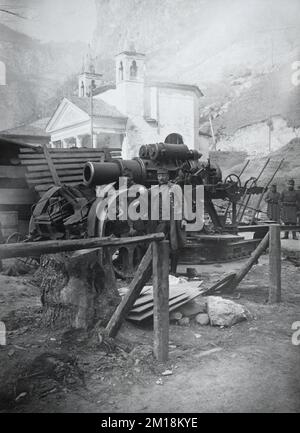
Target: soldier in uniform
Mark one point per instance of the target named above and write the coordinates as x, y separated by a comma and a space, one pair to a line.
173, 228
298, 205
289, 204
273, 199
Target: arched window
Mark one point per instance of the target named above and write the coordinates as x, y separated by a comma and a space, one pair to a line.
133, 69
2, 74
82, 89
174, 139
121, 71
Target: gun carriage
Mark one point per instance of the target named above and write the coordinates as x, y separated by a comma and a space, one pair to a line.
68, 212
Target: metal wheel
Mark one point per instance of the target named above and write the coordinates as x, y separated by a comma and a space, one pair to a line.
233, 180
125, 259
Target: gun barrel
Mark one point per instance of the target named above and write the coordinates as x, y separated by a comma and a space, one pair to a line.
101, 173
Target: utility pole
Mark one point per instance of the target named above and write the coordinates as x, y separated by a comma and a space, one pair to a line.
270, 125
92, 115
212, 133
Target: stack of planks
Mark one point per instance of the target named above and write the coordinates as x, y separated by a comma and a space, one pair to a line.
45, 167
179, 294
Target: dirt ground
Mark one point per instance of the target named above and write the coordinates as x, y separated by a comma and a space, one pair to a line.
250, 367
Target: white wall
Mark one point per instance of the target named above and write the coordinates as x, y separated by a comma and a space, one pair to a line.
254, 139
175, 110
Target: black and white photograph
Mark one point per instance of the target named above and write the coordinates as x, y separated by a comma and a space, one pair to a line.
149, 209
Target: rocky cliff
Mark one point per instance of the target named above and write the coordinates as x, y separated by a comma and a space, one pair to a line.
37, 75
239, 53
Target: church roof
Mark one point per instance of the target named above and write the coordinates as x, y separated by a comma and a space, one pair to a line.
173, 85
100, 108
103, 88
34, 129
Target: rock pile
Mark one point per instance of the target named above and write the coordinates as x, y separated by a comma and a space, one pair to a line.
210, 310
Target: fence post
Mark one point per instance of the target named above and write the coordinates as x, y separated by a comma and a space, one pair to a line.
274, 264
161, 300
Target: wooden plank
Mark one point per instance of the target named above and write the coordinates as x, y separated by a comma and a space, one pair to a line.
59, 161
17, 196
38, 149
262, 246
82, 150
174, 306
28, 249
63, 179
61, 173
161, 300
141, 277
12, 172
51, 166
149, 305
274, 264
35, 156
41, 168
146, 298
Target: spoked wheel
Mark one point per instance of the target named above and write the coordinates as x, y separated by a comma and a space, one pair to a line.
233, 180
125, 259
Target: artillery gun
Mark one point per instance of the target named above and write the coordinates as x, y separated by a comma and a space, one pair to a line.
66, 212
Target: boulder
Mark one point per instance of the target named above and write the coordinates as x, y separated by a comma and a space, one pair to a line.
193, 307
202, 319
185, 321
224, 312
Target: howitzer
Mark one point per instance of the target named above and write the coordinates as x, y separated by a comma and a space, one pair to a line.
66, 212
176, 159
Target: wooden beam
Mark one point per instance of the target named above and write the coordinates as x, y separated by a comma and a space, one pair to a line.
40, 161
274, 264
253, 228
161, 300
51, 166
16, 196
220, 285
27, 249
262, 246
141, 277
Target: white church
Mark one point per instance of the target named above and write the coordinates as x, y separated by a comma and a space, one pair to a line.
131, 112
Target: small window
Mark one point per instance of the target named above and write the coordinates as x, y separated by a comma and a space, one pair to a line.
121, 72
82, 89
133, 69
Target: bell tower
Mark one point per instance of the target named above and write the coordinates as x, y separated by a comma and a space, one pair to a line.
130, 81
88, 78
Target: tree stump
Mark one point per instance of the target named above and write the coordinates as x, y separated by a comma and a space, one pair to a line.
78, 289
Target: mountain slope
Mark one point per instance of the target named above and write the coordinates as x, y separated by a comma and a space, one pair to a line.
35, 73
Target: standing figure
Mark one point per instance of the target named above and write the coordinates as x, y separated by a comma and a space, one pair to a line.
298, 205
273, 199
173, 228
289, 198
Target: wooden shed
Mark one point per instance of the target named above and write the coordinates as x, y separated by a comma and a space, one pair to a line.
27, 171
